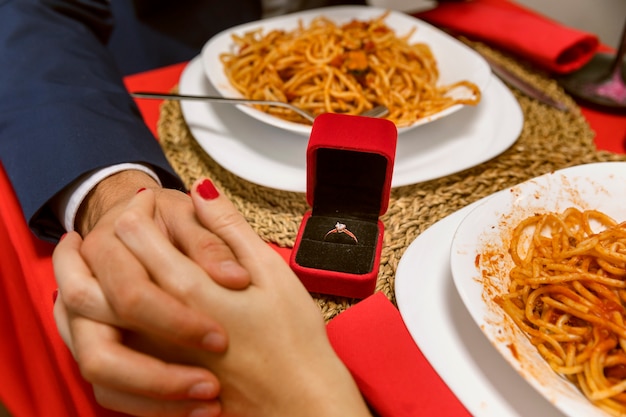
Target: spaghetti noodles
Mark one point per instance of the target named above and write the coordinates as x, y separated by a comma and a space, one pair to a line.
347, 68
567, 292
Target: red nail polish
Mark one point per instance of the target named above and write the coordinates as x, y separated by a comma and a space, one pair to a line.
207, 190
55, 294
141, 189
62, 236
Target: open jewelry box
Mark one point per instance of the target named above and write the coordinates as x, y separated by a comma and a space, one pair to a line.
349, 169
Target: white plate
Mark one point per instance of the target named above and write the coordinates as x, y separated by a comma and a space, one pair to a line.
275, 158
447, 336
488, 228
455, 61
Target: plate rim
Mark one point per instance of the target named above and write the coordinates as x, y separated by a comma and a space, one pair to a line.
470, 377
192, 76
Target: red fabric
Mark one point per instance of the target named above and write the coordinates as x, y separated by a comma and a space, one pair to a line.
390, 370
610, 129
546, 43
39, 376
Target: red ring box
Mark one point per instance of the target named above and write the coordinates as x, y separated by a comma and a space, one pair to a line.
349, 169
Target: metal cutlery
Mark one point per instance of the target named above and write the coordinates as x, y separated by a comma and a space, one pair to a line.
378, 111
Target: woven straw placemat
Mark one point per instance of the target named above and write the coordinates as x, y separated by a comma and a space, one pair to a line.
550, 140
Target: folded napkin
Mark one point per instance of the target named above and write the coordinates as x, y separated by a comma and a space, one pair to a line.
511, 27
390, 370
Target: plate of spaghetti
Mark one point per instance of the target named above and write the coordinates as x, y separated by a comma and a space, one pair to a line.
541, 267
345, 59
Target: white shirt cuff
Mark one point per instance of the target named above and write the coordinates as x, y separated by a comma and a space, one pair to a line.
72, 197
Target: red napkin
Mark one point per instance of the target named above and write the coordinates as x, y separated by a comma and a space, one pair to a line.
390, 370
509, 26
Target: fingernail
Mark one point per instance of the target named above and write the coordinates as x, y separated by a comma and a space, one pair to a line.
237, 275
207, 190
55, 294
214, 342
232, 268
203, 391
141, 189
204, 411
62, 236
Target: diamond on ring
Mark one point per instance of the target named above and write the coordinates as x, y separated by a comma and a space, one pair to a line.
341, 228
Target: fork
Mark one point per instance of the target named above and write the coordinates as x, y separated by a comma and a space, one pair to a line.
378, 111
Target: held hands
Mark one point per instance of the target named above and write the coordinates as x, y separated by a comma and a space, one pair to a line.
278, 362
104, 292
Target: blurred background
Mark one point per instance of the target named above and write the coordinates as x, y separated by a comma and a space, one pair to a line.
605, 18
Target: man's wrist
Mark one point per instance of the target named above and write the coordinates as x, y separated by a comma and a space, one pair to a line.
108, 193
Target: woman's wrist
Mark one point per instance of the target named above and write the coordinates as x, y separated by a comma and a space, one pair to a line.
338, 395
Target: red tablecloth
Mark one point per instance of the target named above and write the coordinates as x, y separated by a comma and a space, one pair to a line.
39, 377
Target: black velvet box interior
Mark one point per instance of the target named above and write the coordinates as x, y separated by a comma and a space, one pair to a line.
349, 188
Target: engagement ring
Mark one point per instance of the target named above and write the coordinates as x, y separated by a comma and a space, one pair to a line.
341, 228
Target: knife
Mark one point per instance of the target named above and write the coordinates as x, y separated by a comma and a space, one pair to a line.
514, 81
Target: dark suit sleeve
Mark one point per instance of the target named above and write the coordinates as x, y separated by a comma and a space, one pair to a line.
64, 110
